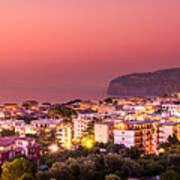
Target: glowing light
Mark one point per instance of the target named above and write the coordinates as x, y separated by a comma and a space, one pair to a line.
161, 150
2, 115
53, 148
87, 142
121, 126
1, 148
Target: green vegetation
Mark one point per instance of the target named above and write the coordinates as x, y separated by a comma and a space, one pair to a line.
108, 100
73, 102
6, 132
18, 169
30, 103
46, 138
26, 119
101, 162
170, 175
114, 162
59, 111
112, 177
158, 111
94, 166
172, 145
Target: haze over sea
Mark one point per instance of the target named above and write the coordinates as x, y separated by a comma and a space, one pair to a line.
54, 95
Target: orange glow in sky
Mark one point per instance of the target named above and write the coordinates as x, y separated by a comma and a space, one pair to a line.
81, 45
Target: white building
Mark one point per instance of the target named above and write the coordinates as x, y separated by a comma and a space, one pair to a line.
46, 123
103, 132
64, 134
81, 123
167, 129
63, 130
141, 134
173, 109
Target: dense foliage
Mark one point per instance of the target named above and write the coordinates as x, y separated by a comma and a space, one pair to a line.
60, 111
18, 169
109, 161
26, 119
6, 132
101, 162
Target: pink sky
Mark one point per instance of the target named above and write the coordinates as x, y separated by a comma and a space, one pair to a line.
81, 45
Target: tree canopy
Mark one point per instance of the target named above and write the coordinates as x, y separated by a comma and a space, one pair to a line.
170, 175
6, 132
18, 169
59, 111
112, 177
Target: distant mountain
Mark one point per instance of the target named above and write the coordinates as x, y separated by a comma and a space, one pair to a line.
156, 83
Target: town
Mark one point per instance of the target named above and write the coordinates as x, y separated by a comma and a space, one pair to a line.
141, 122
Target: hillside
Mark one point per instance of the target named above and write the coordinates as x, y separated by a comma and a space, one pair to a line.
146, 84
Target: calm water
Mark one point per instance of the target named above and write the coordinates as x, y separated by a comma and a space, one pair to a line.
54, 95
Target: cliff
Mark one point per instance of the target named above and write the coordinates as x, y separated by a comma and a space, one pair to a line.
156, 83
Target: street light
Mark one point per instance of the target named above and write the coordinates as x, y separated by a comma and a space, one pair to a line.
162, 150
87, 142
53, 148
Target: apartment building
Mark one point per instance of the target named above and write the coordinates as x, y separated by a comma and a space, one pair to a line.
64, 134
167, 129
14, 146
82, 122
63, 129
173, 109
80, 126
142, 134
46, 123
11, 124
104, 132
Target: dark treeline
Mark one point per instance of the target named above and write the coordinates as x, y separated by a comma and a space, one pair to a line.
109, 162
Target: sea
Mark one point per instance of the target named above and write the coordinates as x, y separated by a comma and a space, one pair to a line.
53, 95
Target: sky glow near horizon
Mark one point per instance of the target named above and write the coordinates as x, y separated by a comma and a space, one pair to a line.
81, 45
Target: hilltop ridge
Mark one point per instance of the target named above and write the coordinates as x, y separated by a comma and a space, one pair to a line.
155, 83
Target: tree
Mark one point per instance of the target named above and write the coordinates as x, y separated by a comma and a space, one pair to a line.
113, 148
173, 139
133, 152
43, 175
18, 169
130, 167
113, 162
87, 169
170, 175
151, 166
52, 136
112, 177
108, 100
61, 112
46, 138
154, 168
26, 119
72, 169
26, 176
174, 161
158, 111
30, 103
73, 102
6, 132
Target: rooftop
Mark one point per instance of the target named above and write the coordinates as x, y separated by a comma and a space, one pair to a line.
139, 122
